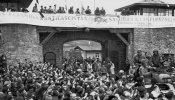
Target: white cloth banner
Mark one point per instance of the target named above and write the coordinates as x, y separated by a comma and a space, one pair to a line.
72, 20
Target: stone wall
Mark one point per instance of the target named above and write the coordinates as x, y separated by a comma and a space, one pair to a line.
162, 39
21, 42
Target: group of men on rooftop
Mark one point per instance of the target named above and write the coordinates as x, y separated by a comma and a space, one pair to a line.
80, 80
54, 10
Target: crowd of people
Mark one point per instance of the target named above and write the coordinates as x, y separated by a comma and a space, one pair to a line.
88, 79
71, 10
54, 10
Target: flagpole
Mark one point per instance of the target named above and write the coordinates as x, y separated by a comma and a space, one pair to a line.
94, 5
66, 6
37, 1
82, 8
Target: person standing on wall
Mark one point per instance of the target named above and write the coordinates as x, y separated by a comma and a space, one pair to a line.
88, 10
35, 8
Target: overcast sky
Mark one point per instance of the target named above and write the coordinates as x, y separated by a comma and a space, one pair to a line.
109, 5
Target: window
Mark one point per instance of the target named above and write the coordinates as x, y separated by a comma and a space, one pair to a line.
149, 12
157, 12
97, 55
7, 6
165, 12
168, 12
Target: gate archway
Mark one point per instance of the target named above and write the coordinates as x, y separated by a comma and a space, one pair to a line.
112, 46
84, 48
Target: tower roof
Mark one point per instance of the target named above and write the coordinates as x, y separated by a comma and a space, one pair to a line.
23, 3
78, 48
151, 1
147, 3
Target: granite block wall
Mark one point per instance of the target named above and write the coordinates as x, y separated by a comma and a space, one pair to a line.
20, 42
162, 39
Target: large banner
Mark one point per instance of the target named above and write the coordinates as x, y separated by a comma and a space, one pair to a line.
72, 20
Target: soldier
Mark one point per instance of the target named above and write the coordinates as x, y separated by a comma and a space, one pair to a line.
45, 10
138, 58
71, 11
138, 62
156, 60
102, 12
42, 9
88, 11
50, 10
59, 10
97, 12
35, 8
62, 10
77, 11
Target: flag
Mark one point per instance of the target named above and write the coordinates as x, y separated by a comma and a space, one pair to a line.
66, 6
37, 1
82, 8
41, 14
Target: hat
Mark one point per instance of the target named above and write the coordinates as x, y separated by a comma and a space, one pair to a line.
93, 93
127, 93
148, 86
121, 71
101, 90
155, 94
21, 90
139, 50
109, 92
153, 81
79, 89
141, 89
169, 95
57, 83
139, 79
123, 77
55, 93
155, 50
129, 85
79, 70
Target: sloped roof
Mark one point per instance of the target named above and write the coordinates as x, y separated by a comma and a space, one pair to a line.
154, 3
151, 1
83, 44
78, 48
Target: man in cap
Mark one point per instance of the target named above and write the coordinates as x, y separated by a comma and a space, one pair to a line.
156, 59
138, 62
142, 93
137, 59
35, 8
169, 96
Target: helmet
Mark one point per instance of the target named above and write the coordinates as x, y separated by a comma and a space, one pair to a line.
121, 71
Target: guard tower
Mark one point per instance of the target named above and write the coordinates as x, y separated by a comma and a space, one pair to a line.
15, 4
148, 8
